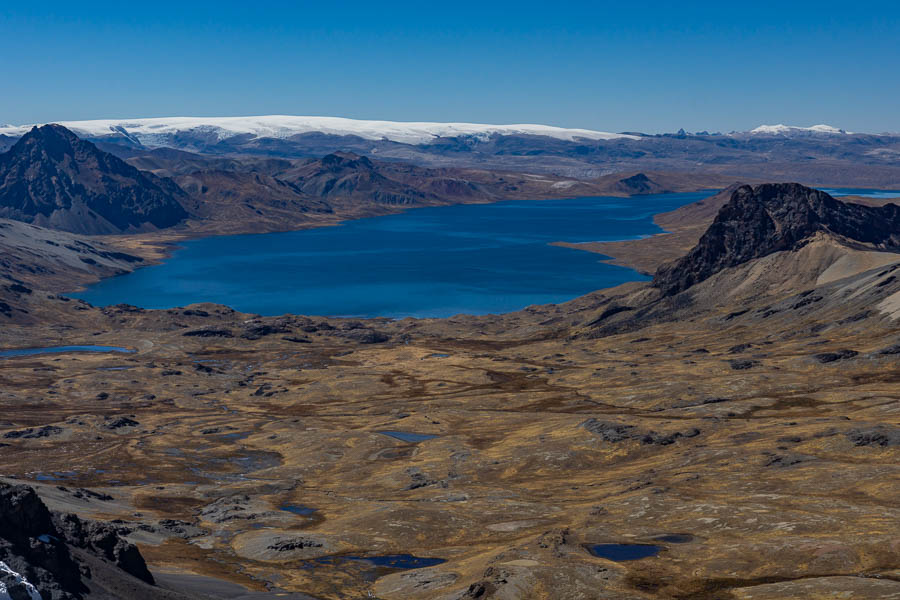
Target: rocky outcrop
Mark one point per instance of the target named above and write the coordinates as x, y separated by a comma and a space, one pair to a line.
620, 432
31, 546
768, 218
42, 548
884, 436
52, 178
638, 184
104, 541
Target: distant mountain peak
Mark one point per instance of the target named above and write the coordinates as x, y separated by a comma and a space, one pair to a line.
793, 129
53, 178
773, 217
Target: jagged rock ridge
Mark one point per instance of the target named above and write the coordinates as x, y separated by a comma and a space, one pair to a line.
52, 178
45, 547
768, 218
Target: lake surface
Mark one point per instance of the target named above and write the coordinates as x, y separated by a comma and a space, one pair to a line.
427, 262
863, 192
59, 349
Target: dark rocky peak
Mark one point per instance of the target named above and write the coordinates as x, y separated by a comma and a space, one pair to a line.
638, 184
337, 161
48, 141
348, 177
53, 178
55, 145
758, 221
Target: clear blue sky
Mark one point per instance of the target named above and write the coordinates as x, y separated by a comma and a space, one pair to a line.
628, 65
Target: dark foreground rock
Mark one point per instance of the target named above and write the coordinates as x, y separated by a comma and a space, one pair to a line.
62, 556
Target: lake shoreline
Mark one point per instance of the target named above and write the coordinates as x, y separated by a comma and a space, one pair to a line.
483, 241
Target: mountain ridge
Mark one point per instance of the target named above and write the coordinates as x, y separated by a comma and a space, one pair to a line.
761, 220
151, 131
53, 178
818, 155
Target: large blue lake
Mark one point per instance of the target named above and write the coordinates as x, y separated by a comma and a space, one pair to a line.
428, 262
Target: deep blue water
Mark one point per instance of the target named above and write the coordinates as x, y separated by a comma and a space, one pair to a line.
427, 262
58, 349
864, 192
391, 561
298, 509
623, 552
405, 436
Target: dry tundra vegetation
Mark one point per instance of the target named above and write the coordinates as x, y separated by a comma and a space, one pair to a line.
737, 419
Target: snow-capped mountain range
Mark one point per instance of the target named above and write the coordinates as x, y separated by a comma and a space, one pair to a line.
157, 131
792, 129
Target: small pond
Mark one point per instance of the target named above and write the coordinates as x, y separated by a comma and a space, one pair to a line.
623, 552
405, 436
59, 349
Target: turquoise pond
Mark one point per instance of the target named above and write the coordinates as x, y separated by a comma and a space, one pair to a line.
427, 262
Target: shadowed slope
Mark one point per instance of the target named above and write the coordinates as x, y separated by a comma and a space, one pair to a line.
50, 177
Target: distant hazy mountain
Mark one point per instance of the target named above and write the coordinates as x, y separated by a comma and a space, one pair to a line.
50, 177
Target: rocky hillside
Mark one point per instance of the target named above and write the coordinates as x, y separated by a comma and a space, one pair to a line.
768, 218
40, 258
52, 178
348, 178
48, 555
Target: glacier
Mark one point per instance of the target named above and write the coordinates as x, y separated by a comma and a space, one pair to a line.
790, 129
155, 131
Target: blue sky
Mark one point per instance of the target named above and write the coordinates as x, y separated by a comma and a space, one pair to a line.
647, 66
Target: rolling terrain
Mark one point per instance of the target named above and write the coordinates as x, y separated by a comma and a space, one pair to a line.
735, 420
739, 413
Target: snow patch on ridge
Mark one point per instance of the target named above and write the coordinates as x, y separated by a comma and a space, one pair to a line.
156, 131
8, 576
789, 129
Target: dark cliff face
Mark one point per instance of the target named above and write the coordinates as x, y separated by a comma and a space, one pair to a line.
24, 523
51, 177
772, 217
41, 546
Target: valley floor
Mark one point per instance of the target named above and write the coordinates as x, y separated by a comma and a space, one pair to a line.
779, 474
755, 440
